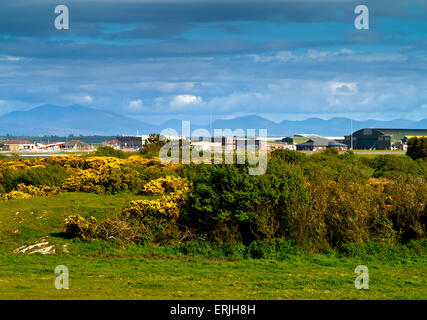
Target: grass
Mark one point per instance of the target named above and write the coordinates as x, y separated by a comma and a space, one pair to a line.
105, 270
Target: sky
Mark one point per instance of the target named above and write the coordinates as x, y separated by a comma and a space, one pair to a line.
157, 60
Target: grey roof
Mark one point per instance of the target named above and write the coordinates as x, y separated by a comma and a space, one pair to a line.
322, 143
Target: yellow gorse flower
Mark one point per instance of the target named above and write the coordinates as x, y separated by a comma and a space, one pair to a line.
168, 205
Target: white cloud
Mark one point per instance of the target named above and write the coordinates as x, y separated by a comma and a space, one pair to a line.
326, 56
183, 100
10, 58
285, 56
281, 56
87, 99
135, 105
318, 55
84, 99
343, 88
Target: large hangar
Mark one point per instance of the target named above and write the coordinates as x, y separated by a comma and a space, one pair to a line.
381, 139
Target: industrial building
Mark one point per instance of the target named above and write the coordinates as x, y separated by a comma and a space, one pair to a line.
321, 144
382, 139
304, 137
300, 138
131, 142
232, 143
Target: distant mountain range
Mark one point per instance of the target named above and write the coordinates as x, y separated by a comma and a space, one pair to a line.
76, 119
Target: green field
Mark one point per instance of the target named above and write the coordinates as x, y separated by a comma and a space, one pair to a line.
104, 270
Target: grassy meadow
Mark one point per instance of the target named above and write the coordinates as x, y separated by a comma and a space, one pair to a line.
103, 269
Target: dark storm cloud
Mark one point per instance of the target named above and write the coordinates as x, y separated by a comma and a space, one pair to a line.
167, 18
107, 28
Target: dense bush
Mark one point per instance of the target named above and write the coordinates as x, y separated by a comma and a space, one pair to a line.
49, 175
150, 220
25, 192
321, 201
289, 156
417, 148
393, 166
77, 226
227, 204
152, 145
105, 151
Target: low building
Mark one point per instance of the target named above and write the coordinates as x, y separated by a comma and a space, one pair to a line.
382, 139
235, 143
243, 143
320, 145
111, 143
275, 146
300, 138
17, 145
75, 144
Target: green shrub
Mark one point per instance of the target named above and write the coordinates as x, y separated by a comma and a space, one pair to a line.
407, 208
383, 251
51, 175
393, 166
105, 151
227, 204
261, 250
289, 156
417, 148
152, 146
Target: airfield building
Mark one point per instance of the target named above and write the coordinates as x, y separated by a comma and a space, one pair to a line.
321, 144
131, 142
382, 139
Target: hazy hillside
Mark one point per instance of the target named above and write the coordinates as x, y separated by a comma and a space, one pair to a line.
54, 120
49, 119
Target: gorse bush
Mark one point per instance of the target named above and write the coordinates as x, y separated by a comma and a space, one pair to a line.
24, 192
150, 220
83, 174
77, 226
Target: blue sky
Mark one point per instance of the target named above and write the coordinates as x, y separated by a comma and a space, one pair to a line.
163, 59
